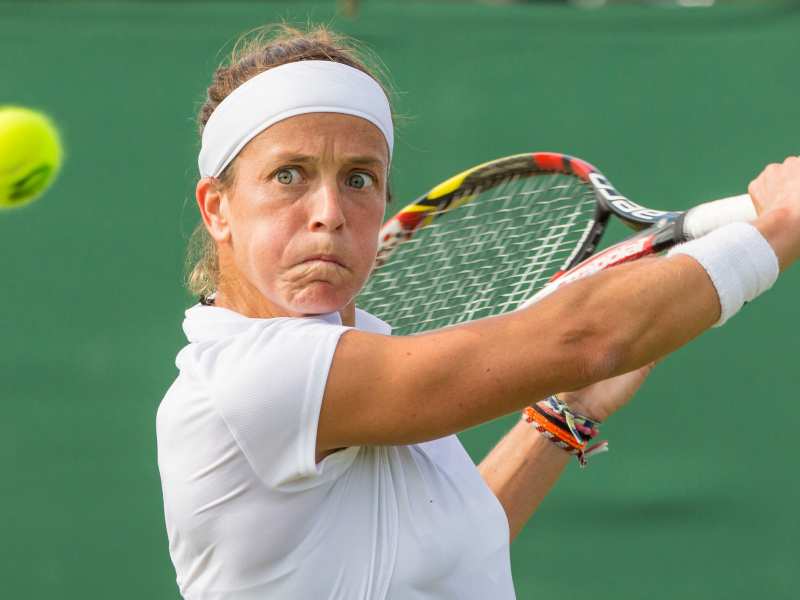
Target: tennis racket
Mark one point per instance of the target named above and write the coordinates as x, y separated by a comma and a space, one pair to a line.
506, 233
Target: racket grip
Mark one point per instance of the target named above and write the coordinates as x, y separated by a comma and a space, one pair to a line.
705, 218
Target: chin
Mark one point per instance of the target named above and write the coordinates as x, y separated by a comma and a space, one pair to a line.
320, 299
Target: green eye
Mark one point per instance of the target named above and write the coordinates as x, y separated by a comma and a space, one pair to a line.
288, 175
360, 180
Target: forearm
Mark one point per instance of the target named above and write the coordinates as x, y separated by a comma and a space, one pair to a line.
521, 470
590, 330
382, 388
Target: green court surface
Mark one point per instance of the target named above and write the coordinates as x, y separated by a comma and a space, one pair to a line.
697, 498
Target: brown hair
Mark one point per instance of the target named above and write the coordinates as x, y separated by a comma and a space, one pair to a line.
254, 53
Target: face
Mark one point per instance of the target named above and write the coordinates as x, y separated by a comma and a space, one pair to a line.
297, 232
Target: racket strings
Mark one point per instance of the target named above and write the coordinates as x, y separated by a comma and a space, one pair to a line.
483, 257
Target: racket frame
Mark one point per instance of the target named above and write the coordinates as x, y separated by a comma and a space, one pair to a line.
455, 192
657, 230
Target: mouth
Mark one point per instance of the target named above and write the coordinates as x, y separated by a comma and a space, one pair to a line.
325, 258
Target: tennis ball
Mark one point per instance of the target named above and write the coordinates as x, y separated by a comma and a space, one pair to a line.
30, 155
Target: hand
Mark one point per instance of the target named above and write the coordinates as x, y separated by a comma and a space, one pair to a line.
602, 399
777, 187
776, 196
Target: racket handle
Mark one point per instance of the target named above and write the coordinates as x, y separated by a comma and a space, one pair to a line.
705, 218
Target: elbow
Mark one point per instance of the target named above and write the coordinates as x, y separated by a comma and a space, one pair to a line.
599, 352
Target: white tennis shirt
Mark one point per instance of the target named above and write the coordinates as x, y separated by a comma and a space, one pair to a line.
249, 513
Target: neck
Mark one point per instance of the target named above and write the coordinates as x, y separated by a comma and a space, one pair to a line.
348, 314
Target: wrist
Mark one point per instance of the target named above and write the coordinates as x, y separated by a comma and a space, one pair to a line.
568, 430
779, 227
580, 405
740, 261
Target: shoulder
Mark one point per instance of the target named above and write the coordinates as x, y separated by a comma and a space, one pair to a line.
264, 342
264, 381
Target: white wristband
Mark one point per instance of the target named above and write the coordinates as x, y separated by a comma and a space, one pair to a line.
739, 261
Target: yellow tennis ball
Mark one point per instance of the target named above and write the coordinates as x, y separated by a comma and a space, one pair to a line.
30, 155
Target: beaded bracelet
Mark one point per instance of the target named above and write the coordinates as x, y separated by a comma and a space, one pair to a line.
567, 429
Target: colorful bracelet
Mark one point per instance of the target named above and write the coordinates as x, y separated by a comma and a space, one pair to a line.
567, 429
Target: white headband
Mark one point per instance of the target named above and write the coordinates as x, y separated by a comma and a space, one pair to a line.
292, 89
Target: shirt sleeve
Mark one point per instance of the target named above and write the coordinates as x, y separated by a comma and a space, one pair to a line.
268, 387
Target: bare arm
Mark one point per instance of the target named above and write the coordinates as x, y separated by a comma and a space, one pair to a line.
520, 471
523, 467
384, 390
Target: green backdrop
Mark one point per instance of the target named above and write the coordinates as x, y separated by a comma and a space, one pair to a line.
697, 498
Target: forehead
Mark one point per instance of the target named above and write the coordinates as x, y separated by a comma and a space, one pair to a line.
320, 135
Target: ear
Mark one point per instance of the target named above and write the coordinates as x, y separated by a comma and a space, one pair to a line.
213, 205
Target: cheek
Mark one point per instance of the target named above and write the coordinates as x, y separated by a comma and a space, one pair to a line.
268, 248
368, 226
259, 245
369, 245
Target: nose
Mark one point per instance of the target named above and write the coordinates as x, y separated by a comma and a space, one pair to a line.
326, 212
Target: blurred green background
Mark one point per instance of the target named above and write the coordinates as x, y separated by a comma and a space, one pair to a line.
676, 105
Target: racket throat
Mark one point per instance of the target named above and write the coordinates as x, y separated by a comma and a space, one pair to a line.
647, 243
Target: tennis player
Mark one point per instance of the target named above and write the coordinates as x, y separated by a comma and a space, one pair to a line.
304, 452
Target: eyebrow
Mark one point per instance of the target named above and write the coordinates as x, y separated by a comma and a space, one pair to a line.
292, 157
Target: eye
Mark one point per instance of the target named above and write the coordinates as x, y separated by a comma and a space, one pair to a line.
288, 175
360, 180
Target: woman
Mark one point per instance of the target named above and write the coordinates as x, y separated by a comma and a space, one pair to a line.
298, 459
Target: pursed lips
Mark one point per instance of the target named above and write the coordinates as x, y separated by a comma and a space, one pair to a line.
326, 258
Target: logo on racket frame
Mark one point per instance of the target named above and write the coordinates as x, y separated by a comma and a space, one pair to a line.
621, 204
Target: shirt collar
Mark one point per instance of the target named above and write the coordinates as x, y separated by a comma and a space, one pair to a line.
206, 323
